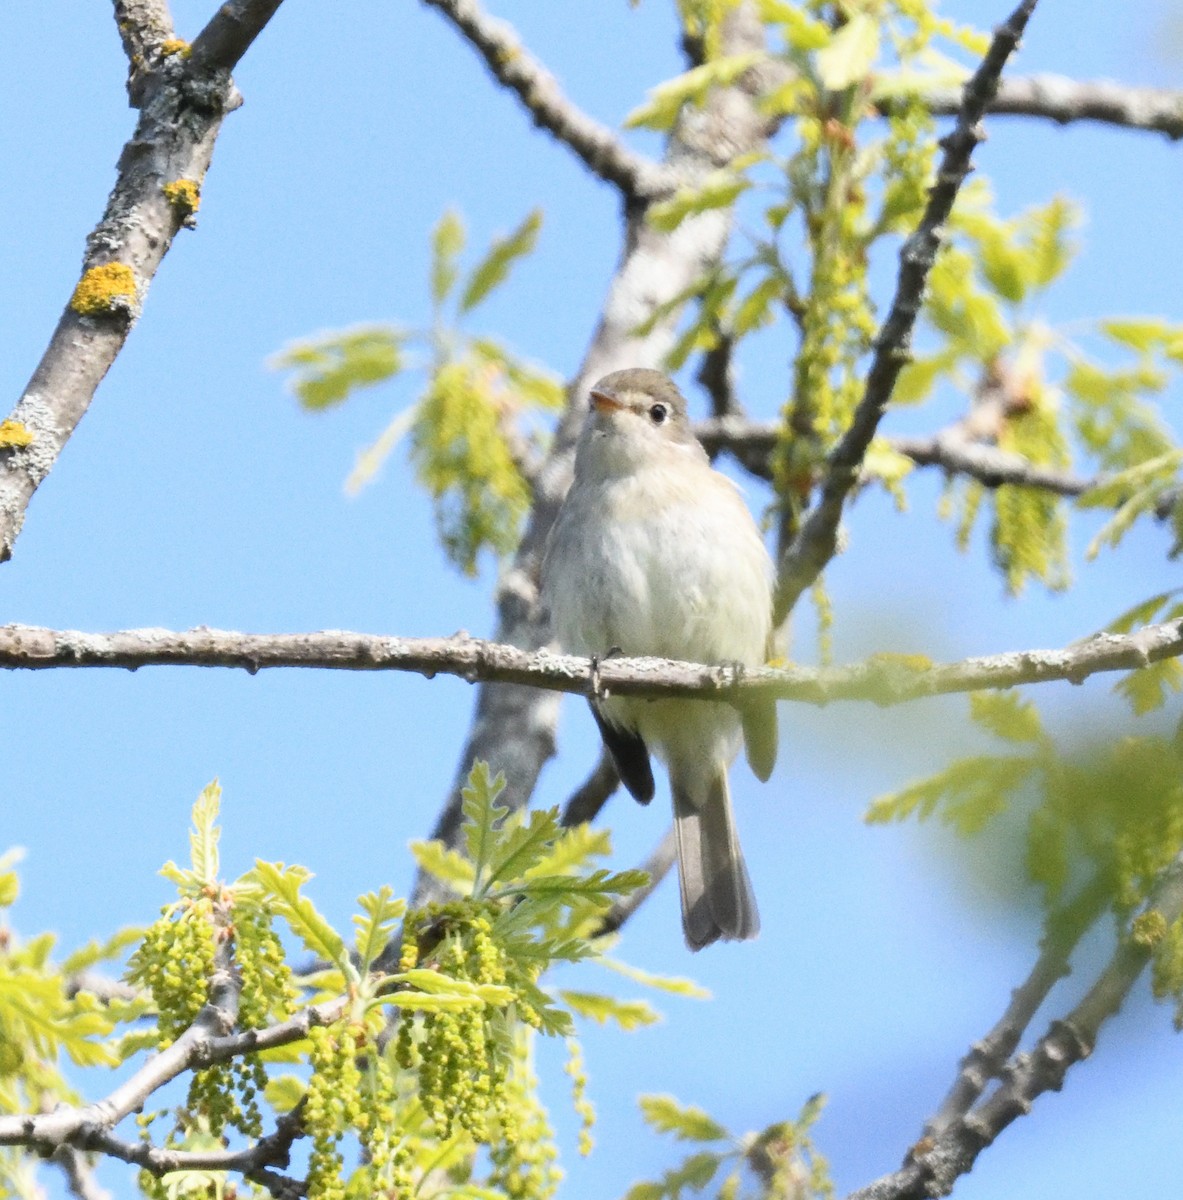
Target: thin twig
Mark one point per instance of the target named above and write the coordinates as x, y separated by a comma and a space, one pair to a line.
816, 543
987, 1058
657, 866
591, 795
599, 148
883, 679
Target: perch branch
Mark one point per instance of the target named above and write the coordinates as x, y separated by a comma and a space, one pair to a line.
883, 679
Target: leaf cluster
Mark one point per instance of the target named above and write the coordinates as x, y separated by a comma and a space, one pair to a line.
781, 1160
471, 427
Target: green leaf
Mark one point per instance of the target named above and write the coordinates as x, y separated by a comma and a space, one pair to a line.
482, 814
374, 929
524, 843
1147, 689
284, 1092
447, 865
329, 369
1007, 715
1142, 334
719, 189
573, 849
918, 377
282, 883
1141, 614
494, 267
447, 241
628, 1014
1051, 249
666, 100
203, 837
851, 54
968, 793
688, 1124
10, 885
673, 984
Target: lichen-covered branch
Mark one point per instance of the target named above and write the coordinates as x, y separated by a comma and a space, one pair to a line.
182, 99
939, 1159
883, 679
599, 148
815, 545
144, 25
1065, 101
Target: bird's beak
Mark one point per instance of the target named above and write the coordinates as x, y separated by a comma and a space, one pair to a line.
604, 401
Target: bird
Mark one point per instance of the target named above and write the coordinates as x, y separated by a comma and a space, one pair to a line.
654, 553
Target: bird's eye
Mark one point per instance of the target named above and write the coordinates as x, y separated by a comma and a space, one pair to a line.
658, 413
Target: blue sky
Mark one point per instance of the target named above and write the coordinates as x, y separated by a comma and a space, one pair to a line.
195, 492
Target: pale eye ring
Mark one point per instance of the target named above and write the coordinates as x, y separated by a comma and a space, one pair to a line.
658, 413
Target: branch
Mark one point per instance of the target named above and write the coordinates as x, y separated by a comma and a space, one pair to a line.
182, 103
229, 34
591, 795
752, 443
936, 1162
987, 1059
1063, 100
598, 147
657, 866
143, 26
884, 679
815, 545
79, 1173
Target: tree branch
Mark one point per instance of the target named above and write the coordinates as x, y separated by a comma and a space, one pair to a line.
182, 102
1063, 100
815, 545
936, 1162
883, 679
752, 444
987, 1059
229, 34
657, 866
143, 26
599, 148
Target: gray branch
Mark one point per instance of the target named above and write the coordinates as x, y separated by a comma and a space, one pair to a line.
936, 1162
883, 679
1065, 101
182, 102
599, 148
816, 543
752, 444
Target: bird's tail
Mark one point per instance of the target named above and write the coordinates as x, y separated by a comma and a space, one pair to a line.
717, 897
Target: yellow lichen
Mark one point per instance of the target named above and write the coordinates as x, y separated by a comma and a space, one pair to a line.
13, 434
1149, 928
105, 289
184, 195
175, 46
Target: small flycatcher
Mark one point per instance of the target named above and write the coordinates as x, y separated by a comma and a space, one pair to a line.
655, 553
